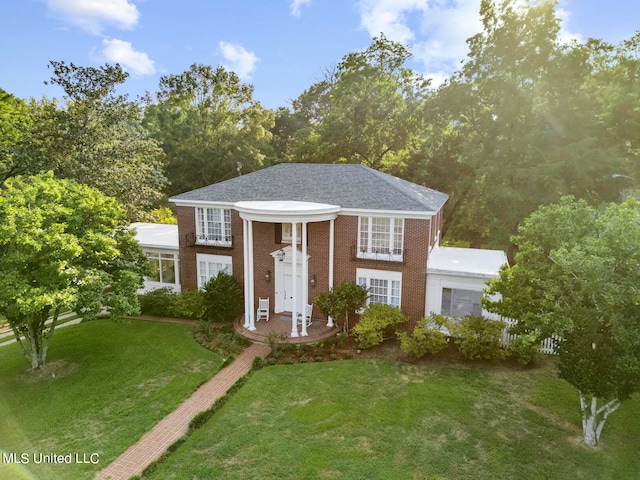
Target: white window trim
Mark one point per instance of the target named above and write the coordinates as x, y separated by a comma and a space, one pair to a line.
157, 254
453, 289
368, 274
223, 260
204, 236
394, 253
286, 232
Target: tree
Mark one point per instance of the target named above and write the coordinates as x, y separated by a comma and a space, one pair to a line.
209, 125
96, 137
523, 123
62, 247
13, 123
576, 277
346, 297
368, 110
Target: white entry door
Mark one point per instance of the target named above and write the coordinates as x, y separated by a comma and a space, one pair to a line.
287, 290
284, 282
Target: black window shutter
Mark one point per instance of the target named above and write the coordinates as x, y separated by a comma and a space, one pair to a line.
277, 229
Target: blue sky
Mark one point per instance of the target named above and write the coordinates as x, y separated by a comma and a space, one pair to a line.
279, 46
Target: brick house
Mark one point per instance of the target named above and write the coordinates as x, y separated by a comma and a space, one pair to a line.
291, 231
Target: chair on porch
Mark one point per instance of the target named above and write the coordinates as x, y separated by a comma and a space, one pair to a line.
263, 309
306, 316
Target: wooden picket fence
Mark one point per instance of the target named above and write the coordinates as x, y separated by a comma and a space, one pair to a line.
508, 338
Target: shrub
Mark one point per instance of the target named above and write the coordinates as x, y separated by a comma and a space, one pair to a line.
157, 302
525, 348
189, 304
376, 323
223, 298
479, 338
427, 336
257, 363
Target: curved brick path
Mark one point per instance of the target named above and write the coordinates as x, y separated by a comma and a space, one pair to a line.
154, 443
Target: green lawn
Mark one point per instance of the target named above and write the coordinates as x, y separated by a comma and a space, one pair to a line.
372, 419
114, 381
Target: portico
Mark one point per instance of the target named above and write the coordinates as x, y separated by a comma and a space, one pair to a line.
291, 266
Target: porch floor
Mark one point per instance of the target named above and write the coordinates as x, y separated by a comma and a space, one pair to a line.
279, 324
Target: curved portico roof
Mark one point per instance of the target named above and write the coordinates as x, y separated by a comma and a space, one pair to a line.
286, 211
349, 186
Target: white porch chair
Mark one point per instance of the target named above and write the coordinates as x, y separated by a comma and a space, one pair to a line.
307, 315
263, 309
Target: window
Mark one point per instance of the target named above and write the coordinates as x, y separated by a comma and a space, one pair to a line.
384, 287
459, 303
286, 233
210, 265
380, 238
163, 267
213, 226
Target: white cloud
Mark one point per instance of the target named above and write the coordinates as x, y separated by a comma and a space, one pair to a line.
565, 36
94, 15
389, 17
445, 29
239, 59
119, 51
296, 5
435, 29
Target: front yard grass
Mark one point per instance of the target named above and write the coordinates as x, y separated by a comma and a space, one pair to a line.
378, 419
106, 383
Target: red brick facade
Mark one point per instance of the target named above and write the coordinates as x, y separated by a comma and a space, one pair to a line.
419, 235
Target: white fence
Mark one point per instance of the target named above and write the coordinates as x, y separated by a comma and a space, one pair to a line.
508, 338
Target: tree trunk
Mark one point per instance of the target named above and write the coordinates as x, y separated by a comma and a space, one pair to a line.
36, 338
593, 418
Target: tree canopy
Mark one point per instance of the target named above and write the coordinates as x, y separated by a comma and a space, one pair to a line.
62, 247
576, 277
95, 137
209, 126
365, 111
525, 120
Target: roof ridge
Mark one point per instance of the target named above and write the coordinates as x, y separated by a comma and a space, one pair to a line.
392, 181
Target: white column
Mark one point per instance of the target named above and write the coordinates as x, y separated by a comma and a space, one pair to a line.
294, 275
245, 261
305, 279
252, 318
331, 259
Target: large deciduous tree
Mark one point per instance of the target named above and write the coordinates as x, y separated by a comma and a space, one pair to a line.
367, 110
62, 247
576, 276
13, 122
96, 137
524, 122
209, 126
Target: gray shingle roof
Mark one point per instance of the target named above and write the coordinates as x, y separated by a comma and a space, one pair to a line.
347, 185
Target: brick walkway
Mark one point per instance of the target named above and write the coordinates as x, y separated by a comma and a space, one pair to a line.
154, 443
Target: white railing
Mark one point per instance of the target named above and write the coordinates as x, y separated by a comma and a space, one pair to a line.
508, 338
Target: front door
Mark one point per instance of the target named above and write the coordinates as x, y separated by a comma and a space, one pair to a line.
287, 290
283, 284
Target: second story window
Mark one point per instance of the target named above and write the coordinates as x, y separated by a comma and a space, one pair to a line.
213, 227
380, 238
